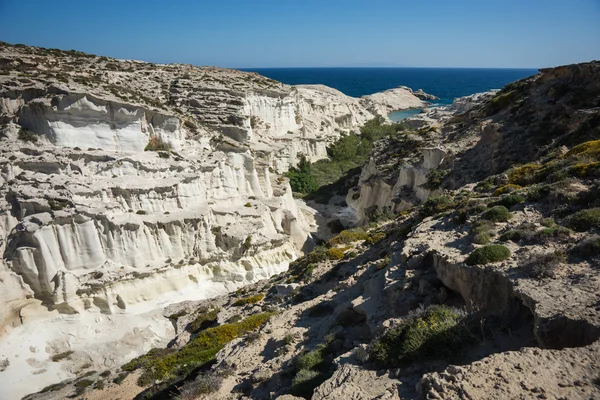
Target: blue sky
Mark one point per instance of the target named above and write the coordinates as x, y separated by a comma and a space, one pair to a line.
300, 33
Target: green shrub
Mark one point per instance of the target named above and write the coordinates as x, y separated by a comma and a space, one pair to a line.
548, 222
248, 205
497, 214
304, 376
301, 179
554, 232
374, 238
335, 253
481, 238
482, 226
311, 359
437, 204
288, 339
510, 200
205, 319
348, 236
120, 378
431, 335
27, 136
509, 188
197, 352
488, 254
584, 220
525, 174
517, 235
435, 178
249, 300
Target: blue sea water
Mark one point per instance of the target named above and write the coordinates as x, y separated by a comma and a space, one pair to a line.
445, 83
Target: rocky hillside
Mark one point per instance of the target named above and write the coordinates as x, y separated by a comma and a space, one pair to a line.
126, 186
487, 290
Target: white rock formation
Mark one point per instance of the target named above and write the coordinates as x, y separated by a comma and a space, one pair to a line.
98, 234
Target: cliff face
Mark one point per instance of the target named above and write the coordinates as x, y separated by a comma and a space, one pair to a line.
98, 234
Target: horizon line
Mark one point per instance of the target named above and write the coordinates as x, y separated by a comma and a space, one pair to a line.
383, 66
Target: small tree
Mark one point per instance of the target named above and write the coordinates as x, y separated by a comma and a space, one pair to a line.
301, 178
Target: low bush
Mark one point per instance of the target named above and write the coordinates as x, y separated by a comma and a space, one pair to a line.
481, 238
249, 300
510, 200
508, 188
205, 383
27, 136
431, 335
556, 232
374, 238
525, 174
543, 265
584, 220
120, 378
517, 235
196, 353
469, 207
437, 204
591, 148
586, 170
205, 319
435, 178
312, 369
335, 253
488, 254
482, 226
348, 236
497, 214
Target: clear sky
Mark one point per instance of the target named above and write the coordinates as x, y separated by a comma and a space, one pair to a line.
301, 33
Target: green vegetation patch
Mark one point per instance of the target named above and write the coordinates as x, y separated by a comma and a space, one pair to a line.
312, 369
497, 214
335, 253
205, 319
27, 136
429, 336
510, 200
249, 300
437, 204
584, 220
488, 254
348, 152
348, 236
164, 364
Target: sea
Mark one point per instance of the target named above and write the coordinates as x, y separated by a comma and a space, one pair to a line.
445, 83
